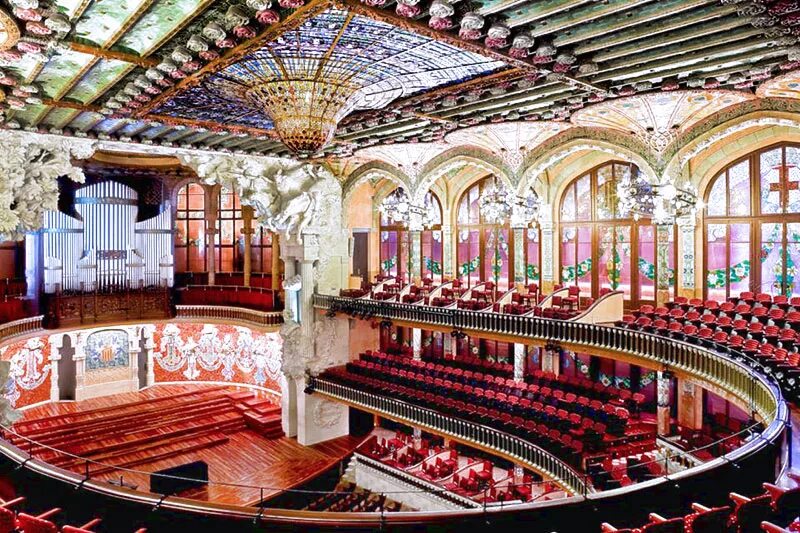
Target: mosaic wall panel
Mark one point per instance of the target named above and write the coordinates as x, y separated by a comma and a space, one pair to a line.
29, 378
107, 349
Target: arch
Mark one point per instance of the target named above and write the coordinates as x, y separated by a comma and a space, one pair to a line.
723, 123
371, 170
602, 248
460, 156
751, 229
559, 147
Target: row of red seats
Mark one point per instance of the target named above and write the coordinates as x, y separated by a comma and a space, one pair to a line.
726, 314
487, 388
227, 295
14, 521
746, 515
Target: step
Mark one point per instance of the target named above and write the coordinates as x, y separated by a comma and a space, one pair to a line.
68, 436
202, 444
230, 422
114, 419
91, 412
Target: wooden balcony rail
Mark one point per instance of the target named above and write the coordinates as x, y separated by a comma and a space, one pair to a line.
509, 446
236, 314
20, 327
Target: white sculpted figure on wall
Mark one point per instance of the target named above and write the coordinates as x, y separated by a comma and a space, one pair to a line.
8, 415
29, 170
297, 348
285, 194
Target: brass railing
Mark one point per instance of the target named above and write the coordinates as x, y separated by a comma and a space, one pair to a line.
731, 371
238, 314
510, 446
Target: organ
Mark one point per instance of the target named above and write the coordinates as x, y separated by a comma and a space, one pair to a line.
104, 247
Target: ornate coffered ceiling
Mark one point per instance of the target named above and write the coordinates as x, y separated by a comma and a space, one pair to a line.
137, 70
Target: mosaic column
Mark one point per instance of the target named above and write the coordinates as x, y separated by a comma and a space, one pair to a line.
416, 343
519, 362
415, 253
550, 361
247, 232
447, 346
448, 258
663, 402
662, 260
519, 474
548, 279
686, 229
519, 256
56, 344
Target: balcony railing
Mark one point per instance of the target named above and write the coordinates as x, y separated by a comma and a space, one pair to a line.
24, 326
236, 314
510, 446
732, 371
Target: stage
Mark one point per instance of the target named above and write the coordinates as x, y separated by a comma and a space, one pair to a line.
235, 430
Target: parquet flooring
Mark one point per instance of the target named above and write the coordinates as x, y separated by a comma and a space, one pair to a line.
169, 425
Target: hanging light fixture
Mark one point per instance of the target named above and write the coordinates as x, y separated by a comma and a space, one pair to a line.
497, 205
661, 202
398, 208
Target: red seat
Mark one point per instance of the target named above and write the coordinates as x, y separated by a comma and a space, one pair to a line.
85, 528
38, 524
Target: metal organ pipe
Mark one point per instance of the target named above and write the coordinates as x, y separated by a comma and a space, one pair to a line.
107, 249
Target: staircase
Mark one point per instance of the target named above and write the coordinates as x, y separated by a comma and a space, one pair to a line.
138, 433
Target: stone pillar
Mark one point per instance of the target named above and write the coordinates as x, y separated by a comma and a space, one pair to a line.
247, 232
149, 346
56, 344
686, 256
519, 474
551, 361
519, 362
663, 380
134, 353
448, 256
662, 260
548, 277
416, 343
415, 254
417, 438
276, 263
212, 206
306, 316
448, 346
690, 404
290, 295
288, 406
519, 256
78, 359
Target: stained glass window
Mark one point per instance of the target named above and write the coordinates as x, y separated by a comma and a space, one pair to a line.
602, 250
230, 239
754, 246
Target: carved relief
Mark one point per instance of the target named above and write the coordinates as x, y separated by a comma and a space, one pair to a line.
326, 413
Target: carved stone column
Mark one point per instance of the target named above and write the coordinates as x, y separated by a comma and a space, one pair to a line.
56, 344
686, 256
519, 362
519, 256
551, 361
247, 232
134, 353
79, 360
307, 295
417, 438
448, 346
212, 207
663, 380
690, 404
662, 260
149, 346
548, 244
448, 256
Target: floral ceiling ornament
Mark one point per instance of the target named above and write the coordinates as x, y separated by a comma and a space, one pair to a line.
29, 170
9, 31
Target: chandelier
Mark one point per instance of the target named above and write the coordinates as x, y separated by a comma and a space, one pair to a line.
497, 205
311, 77
661, 202
398, 208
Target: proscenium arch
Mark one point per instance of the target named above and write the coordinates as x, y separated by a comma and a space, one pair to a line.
457, 156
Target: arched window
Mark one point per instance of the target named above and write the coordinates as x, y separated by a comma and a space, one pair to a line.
190, 237
230, 240
602, 249
752, 225
395, 245
485, 252
261, 249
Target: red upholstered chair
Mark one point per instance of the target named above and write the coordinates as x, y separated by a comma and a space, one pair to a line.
605, 527
707, 520
748, 513
772, 528
659, 524
8, 518
38, 524
85, 528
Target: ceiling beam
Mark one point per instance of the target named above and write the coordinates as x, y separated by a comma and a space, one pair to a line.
102, 53
270, 33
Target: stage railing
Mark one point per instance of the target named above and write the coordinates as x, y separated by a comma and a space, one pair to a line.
24, 326
732, 372
238, 314
511, 447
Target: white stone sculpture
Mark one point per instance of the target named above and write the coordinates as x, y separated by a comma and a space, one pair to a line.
29, 169
8, 415
297, 348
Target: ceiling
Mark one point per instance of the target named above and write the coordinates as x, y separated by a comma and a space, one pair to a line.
145, 70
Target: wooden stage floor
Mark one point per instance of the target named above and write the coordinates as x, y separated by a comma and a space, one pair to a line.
246, 459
